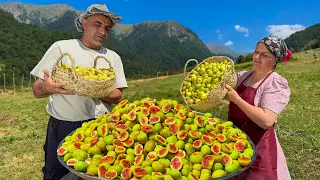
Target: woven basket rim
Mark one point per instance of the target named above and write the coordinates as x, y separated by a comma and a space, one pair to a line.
213, 59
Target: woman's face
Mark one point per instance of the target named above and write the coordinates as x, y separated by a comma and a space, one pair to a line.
263, 60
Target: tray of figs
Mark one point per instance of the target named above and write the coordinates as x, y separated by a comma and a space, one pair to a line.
150, 139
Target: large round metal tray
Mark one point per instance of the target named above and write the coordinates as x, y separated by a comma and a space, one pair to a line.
89, 177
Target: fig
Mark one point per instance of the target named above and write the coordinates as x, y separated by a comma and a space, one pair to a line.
111, 174
138, 149
123, 135
143, 120
117, 142
181, 116
244, 161
120, 149
226, 148
138, 159
196, 158
249, 151
207, 162
125, 163
62, 151
154, 109
218, 173
216, 148
115, 118
176, 163
197, 144
72, 161
221, 138
240, 145
121, 127
126, 174
166, 108
160, 140
80, 136
198, 121
226, 159
108, 159
163, 152
170, 120
123, 103
152, 156
193, 135
158, 166
178, 107
132, 115
145, 111
206, 139
180, 154
147, 128
154, 119
174, 129
139, 172
172, 148
149, 146
128, 143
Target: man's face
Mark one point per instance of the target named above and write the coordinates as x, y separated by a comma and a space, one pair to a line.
96, 29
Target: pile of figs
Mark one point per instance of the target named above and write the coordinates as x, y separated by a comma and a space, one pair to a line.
150, 139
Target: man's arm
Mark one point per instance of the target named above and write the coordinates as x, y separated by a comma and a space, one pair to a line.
45, 87
114, 97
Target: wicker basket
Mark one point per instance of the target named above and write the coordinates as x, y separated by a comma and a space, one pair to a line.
81, 85
217, 94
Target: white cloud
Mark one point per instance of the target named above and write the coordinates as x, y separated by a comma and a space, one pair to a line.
242, 29
218, 30
220, 36
229, 43
284, 31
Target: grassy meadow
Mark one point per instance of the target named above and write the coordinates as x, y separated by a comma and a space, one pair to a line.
23, 120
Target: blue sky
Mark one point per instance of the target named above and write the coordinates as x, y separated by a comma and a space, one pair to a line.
237, 24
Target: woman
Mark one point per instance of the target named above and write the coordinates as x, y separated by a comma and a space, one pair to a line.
254, 107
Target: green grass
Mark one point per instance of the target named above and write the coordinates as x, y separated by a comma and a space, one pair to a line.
23, 121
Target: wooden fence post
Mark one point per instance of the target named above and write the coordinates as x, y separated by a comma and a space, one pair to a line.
29, 82
22, 81
4, 82
14, 84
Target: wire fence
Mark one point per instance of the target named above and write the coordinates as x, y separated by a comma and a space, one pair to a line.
13, 82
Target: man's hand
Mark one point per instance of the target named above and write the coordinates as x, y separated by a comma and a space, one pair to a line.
54, 88
45, 87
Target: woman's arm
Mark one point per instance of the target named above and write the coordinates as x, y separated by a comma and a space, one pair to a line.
264, 118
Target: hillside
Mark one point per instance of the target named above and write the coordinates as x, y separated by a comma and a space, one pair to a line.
304, 40
145, 48
222, 50
34, 14
20, 50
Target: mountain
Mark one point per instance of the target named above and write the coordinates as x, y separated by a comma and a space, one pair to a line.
64, 22
162, 45
34, 14
145, 48
23, 45
222, 50
305, 39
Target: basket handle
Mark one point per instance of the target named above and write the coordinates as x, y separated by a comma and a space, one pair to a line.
72, 63
185, 66
70, 57
98, 57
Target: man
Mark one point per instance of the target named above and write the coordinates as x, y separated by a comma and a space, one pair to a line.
68, 110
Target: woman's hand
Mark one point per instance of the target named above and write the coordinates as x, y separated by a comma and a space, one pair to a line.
232, 95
